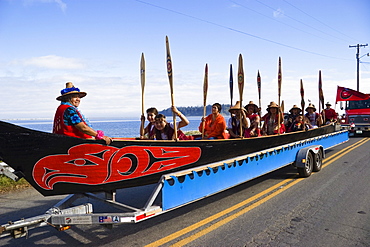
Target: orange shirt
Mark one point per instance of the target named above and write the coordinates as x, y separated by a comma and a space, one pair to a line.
214, 129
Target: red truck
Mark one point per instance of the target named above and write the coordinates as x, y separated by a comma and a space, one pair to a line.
357, 117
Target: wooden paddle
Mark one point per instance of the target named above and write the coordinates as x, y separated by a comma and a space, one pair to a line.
205, 89
170, 78
279, 93
231, 85
321, 97
241, 87
259, 95
142, 73
302, 97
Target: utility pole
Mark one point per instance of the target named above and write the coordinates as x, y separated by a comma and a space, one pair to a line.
358, 63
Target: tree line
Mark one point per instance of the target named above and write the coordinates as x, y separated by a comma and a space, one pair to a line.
196, 110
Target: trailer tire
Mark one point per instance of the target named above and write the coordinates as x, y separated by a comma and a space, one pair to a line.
317, 164
307, 169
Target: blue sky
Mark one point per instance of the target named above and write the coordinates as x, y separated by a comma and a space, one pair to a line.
98, 44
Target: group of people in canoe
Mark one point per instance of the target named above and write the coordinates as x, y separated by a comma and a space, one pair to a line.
245, 122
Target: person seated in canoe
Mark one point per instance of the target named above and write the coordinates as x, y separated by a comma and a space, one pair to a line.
252, 114
150, 116
293, 113
68, 119
233, 125
165, 131
214, 124
313, 117
298, 124
329, 113
271, 124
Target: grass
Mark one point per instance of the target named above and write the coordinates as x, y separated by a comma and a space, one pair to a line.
192, 132
7, 184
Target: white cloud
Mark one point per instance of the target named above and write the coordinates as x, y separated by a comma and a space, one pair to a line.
62, 5
278, 13
51, 62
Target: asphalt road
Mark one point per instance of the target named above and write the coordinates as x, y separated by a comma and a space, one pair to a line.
330, 208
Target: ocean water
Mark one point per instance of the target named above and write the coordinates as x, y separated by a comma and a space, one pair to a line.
111, 127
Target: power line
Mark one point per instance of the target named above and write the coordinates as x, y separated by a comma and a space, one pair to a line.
268, 6
318, 20
274, 19
239, 31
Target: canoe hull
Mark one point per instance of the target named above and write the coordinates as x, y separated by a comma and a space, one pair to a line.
55, 164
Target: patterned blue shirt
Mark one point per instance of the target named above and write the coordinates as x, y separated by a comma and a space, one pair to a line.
71, 116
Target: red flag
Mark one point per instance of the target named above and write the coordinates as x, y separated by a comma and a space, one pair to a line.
346, 94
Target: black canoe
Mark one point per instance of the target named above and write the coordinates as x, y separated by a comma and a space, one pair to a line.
55, 164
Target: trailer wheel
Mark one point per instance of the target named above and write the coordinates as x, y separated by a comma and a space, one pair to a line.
317, 164
307, 169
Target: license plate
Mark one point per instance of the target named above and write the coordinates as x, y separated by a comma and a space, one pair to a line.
358, 131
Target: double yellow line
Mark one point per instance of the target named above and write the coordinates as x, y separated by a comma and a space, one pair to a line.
258, 198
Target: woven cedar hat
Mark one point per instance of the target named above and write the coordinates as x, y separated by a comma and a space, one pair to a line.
236, 107
311, 106
272, 105
252, 104
295, 107
70, 89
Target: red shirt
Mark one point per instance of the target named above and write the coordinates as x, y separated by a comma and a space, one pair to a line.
330, 114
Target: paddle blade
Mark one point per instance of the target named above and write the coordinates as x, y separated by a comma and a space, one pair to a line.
302, 96
240, 78
321, 93
259, 84
169, 65
279, 78
231, 84
142, 76
205, 85
142, 71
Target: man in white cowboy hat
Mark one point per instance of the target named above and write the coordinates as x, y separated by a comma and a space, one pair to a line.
69, 121
233, 125
330, 115
314, 118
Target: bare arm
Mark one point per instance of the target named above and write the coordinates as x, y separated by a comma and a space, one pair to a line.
81, 126
184, 121
245, 121
142, 129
